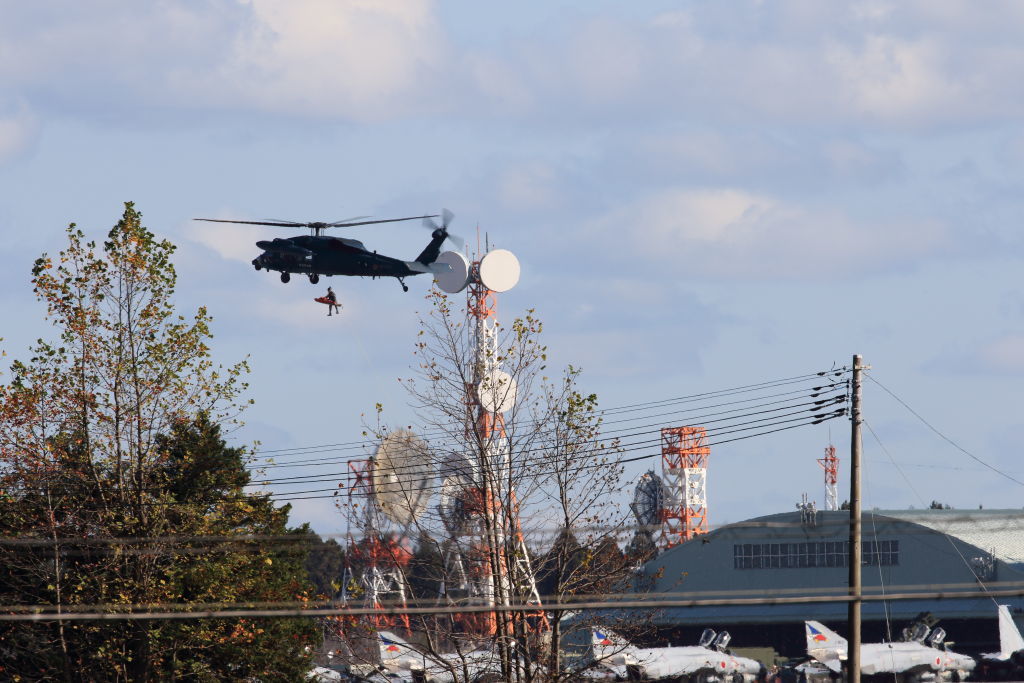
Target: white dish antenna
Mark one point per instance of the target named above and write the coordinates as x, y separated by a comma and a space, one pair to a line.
452, 507
402, 476
497, 391
499, 270
648, 499
457, 475
456, 279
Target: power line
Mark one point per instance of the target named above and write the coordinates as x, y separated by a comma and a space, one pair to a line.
519, 452
816, 391
561, 606
943, 436
294, 495
642, 445
349, 445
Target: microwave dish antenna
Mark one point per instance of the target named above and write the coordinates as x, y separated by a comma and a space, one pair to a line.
457, 481
402, 476
648, 499
499, 270
455, 280
497, 391
452, 506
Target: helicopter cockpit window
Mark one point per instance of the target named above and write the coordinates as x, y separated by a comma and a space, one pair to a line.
345, 242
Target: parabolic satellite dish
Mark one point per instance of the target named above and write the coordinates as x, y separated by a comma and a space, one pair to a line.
648, 498
497, 391
456, 279
402, 476
499, 270
457, 474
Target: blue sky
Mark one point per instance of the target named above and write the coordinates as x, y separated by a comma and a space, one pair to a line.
701, 194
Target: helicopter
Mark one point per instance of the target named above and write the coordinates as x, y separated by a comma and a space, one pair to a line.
318, 254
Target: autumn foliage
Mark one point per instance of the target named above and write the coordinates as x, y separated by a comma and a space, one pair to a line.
119, 494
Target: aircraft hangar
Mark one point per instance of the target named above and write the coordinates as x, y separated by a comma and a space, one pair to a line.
806, 554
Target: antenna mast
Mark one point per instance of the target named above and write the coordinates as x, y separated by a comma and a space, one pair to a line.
496, 570
383, 559
830, 463
684, 467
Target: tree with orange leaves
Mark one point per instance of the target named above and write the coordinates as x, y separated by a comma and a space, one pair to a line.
118, 492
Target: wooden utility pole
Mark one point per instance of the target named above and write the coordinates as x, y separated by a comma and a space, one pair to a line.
853, 615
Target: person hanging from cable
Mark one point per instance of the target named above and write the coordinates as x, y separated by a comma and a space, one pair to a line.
333, 305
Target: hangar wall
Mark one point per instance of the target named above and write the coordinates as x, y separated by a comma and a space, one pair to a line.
785, 554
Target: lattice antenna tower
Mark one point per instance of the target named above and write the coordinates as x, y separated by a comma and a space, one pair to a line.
389, 491
830, 463
489, 395
684, 468
381, 558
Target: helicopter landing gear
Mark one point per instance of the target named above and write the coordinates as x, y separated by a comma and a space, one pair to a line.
314, 278
405, 287
285, 277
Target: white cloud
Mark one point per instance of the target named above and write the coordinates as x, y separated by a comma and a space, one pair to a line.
924, 63
18, 130
738, 234
999, 355
896, 79
231, 242
793, 62
1005, 354
318, 58
527, 186
358, 57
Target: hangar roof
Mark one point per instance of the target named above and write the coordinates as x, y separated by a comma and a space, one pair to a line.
998, 531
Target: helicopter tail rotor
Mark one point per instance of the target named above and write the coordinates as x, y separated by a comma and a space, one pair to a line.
446, 219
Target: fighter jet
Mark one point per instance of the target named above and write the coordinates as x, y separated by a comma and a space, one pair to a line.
1008, 663
709, 661
912, 660
405, 662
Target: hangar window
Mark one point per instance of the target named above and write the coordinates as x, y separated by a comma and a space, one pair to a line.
813, 554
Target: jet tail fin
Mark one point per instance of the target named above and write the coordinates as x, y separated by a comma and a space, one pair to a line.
605, 638
608, 643
821, 637
825, 645
391, 645
1010, 640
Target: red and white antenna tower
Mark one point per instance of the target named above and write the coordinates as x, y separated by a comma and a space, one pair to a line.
684, 467
830, 463
492, 575
382, 559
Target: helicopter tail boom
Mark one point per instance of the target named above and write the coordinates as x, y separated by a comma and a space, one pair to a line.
435, 268
433, 250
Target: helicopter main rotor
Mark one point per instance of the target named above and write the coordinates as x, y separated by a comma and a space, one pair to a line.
317, 227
